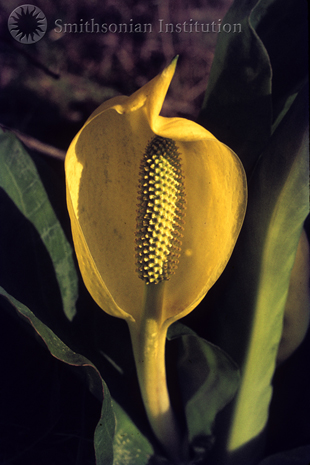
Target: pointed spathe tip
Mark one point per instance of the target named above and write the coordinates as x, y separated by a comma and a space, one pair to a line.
170, 69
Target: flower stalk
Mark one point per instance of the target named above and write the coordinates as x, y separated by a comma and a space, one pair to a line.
148, 342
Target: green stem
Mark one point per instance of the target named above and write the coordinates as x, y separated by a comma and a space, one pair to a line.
148, 341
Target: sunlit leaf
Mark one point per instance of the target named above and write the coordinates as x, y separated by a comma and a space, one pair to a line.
253, 306
130, 446
21, 183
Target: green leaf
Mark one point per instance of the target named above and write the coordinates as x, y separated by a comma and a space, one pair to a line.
251, 311
237, 107
209, 379
130, 446
20, 181
105, 429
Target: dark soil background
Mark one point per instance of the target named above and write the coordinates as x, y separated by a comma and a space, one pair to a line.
49, 88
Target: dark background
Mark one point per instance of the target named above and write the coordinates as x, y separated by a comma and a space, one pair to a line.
49, 88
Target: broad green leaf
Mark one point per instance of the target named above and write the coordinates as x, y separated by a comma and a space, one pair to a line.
105, 429
209, 379
254, 302
130, 446
20, 181
237, 106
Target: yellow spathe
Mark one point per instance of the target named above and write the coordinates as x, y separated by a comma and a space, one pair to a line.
102, 174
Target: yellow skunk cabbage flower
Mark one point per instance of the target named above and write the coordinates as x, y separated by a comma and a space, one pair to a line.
156, 206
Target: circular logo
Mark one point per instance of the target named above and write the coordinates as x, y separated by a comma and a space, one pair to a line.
27, 24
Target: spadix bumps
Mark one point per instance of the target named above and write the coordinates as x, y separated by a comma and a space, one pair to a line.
160, 211
156, 205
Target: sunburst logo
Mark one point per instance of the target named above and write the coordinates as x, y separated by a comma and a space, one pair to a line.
27, 24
